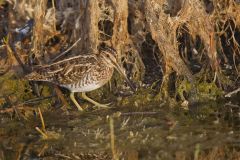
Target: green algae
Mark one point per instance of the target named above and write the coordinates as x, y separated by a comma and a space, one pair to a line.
10, 85
146, 96
183, 87
141, 98
19, 92
205, 90
209, 91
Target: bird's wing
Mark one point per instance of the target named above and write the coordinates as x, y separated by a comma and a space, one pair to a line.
65, 71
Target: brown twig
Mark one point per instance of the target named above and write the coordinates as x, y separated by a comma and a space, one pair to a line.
42, 120
60, 95
21, 106
63, 53
42, 131
112, 139
233, 92
35, 100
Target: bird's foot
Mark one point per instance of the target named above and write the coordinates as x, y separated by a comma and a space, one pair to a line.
107, 105
84, 96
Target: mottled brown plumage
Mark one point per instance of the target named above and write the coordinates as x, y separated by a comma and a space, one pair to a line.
75, 73
82, 73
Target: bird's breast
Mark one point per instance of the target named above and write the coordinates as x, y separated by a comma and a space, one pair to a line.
91, 80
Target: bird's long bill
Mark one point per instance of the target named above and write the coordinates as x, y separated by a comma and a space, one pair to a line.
120, 70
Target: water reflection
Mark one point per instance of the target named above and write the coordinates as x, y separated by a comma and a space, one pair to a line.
151, 133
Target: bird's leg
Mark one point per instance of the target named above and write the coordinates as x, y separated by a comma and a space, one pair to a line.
84, 96
75, 101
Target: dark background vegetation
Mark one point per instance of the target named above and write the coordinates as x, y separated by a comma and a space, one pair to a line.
182, 52
160, 43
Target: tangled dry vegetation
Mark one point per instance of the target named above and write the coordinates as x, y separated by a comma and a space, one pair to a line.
170, 46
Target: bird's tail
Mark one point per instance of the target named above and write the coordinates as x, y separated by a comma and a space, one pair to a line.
35, 76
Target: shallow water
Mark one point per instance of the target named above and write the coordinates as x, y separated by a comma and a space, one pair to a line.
151, 132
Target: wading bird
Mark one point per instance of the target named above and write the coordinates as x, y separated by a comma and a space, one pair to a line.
81, 73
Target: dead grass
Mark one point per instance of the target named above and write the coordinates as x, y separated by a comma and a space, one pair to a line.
153, 38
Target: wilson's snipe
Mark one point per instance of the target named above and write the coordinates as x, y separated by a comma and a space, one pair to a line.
81, 73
